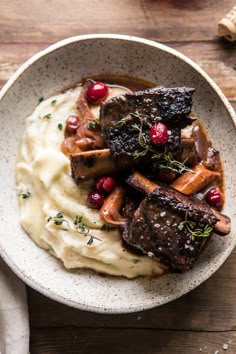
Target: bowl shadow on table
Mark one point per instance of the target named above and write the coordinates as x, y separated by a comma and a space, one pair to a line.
204, 309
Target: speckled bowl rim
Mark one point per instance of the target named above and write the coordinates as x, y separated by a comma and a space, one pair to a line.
33, 282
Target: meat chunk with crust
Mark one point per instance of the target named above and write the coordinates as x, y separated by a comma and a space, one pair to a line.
121, 117
155, 228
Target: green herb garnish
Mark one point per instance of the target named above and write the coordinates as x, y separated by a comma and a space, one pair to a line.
167, 162
124, 121
77, 220
53, 102
191, 227
46, 116
214, 151
90, 241
135, 260
165, 159
82, 228
60, 126
143, 140
93, 124
25, 195
58, 219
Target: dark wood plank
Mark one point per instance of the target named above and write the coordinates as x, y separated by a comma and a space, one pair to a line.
217, 58
12, 56
164, 20
210, 307
129, 341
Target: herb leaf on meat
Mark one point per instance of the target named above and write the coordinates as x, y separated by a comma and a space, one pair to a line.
191, 227
166, 159
167, 162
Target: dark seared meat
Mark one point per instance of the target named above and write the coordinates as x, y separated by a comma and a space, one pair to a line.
196, 210
169, 105
131, 202
143, 109
154, 228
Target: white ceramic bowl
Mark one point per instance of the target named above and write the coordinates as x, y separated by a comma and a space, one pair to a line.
66, 63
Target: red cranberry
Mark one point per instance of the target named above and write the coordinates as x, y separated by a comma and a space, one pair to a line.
97, 92
72, 124
105, 184
214, 198
95, 199
158, 134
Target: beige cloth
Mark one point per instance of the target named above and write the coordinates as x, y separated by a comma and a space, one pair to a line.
14, 322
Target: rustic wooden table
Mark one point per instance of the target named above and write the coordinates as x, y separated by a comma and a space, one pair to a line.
204, 320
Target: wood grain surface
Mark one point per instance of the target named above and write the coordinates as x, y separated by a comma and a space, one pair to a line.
203, 321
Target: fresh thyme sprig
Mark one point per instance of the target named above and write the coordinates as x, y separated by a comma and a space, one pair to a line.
123, 121
191, 227
80, 226
59, 220
165, 159
137, 127
167, 162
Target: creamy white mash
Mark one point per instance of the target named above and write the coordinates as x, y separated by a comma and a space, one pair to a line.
45, 188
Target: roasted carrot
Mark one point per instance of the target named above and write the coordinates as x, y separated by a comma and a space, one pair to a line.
190, 183
111, 207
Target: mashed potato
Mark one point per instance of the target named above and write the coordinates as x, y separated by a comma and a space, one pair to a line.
45, 188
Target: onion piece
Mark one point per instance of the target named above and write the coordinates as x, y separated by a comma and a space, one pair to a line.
110, 211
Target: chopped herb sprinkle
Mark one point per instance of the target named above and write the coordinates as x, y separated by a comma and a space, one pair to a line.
135, 260
60, 126
53, 102
93, 124
214, 151
25, 195
46, 116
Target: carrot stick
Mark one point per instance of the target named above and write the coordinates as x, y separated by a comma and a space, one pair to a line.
190, 183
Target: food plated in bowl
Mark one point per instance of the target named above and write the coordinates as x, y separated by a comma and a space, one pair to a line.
75, 145
142, 60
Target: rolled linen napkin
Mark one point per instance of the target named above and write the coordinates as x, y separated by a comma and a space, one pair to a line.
14, 321
227, 25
